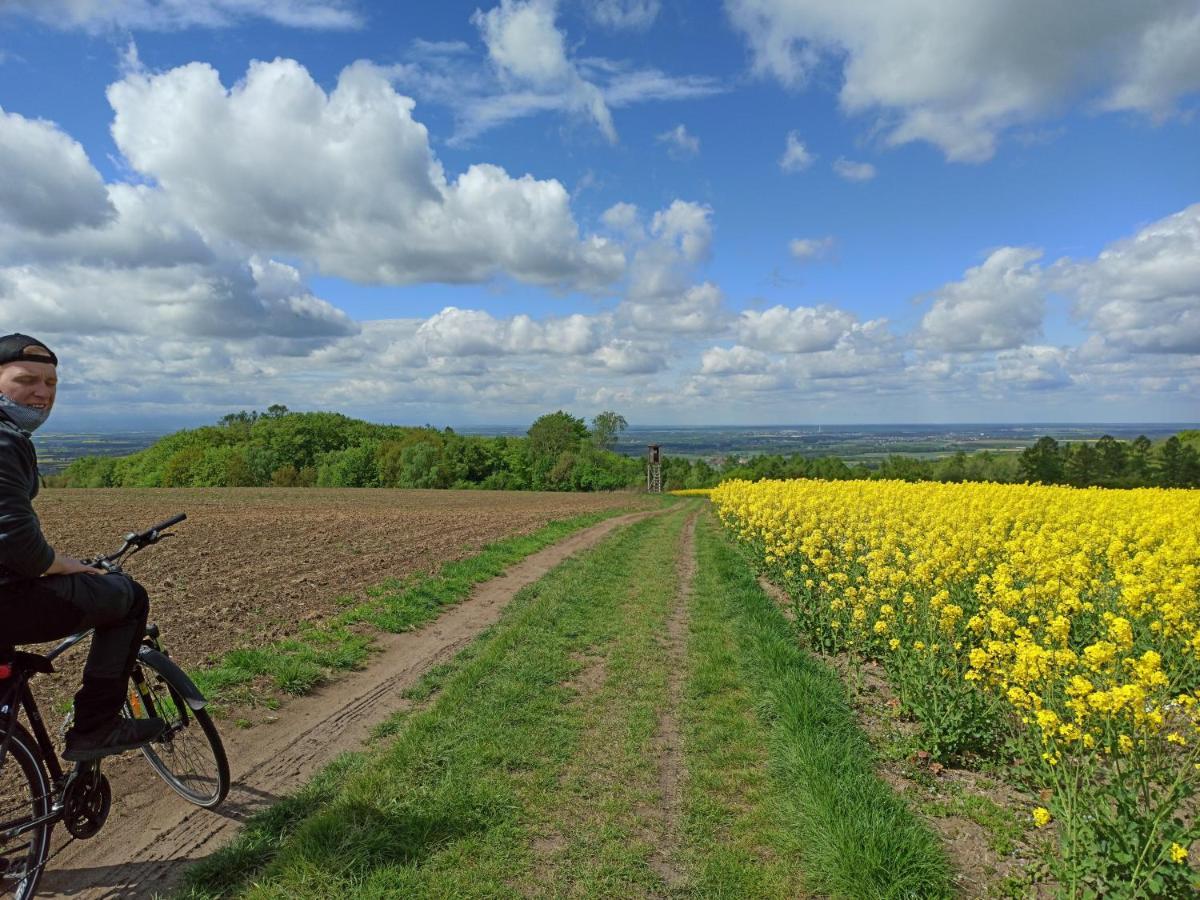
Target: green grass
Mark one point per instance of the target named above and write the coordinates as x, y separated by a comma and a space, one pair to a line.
854, 836
745, 849
261, 837
299, 664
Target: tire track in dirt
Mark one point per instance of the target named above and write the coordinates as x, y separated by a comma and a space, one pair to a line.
152, 835
668, 739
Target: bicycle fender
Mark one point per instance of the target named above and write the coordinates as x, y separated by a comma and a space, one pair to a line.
159, 660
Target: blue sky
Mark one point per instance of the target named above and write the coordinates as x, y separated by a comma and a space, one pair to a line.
755, 211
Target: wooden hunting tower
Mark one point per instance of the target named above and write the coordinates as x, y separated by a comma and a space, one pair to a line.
654, 470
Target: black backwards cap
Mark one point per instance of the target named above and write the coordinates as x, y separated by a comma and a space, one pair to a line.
15, 348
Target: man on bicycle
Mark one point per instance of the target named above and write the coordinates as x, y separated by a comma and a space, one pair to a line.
45, 595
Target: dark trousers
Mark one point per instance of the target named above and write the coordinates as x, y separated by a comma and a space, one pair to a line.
45, 609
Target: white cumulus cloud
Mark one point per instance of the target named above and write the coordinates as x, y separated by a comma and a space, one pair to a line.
959, 74
636, 15
996, 306
171, 15
1142, 293
795, 155
526, 45
346, 179
810, 249
222, 299
685, 225
629, 358
680, 143
735, 360
1037, 368
853, 171
800, 329
471, 332
48, 184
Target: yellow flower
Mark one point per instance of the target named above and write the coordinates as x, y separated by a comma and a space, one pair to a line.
1047, 720
1078, 610
1042, 818
1178, 854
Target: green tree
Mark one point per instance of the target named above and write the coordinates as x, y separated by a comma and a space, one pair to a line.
903, 468
606, 428
1082, 467
1179, 464
953, 468
285, 476
1140, 463
179, 468
1113, 459
830, 468
420, 466
703, 475
1043, 462
555, 432
550, 437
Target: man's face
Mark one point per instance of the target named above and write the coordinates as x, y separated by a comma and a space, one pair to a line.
29, 383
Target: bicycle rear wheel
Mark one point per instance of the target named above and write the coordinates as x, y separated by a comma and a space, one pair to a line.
189, 756
25, 802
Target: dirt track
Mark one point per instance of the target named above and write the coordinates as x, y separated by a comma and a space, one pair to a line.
152, 834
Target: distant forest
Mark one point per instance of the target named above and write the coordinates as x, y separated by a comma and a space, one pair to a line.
1108, 462
561, 452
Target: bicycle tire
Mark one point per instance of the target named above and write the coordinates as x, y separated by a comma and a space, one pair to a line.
24, 797
190, 757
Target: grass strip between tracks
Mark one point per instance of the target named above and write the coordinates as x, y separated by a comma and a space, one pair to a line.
853, 835
298, 664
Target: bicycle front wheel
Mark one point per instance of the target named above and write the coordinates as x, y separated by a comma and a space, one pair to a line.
189, 756
25, 822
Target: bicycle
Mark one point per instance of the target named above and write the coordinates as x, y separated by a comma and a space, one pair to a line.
35, 791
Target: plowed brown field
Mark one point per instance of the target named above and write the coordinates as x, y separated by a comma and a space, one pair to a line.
250, 563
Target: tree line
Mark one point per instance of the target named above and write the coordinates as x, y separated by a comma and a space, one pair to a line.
1108, 462
1175, 463
560, 452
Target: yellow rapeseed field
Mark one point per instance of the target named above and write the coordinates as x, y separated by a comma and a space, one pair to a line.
1065, 622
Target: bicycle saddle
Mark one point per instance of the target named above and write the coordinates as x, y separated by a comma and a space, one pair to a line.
28, 662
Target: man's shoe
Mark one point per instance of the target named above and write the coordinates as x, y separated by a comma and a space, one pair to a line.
114, 737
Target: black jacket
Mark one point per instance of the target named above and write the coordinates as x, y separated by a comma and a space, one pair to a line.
24, 552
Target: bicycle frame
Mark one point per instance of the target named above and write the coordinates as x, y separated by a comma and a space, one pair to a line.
25, 700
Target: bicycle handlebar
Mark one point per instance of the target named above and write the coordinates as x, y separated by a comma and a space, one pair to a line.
137, 540
161, 526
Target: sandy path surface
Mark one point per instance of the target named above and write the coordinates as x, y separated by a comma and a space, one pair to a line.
152, 834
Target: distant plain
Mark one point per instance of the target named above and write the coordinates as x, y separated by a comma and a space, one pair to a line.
852, 443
